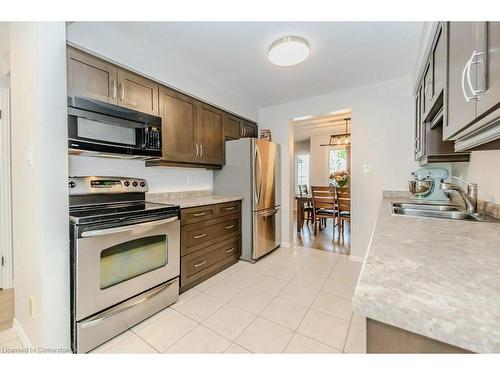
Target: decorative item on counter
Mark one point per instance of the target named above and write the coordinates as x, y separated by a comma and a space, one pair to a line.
339, 178
266, 135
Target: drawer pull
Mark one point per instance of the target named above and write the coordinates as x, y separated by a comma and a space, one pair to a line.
229, 208
230, 250
200, 264
200, 214
230, 226
200, 236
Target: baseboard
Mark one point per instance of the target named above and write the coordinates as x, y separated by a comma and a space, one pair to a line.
21, 334
286, 244
356, 259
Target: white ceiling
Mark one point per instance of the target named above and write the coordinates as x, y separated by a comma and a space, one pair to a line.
343, 54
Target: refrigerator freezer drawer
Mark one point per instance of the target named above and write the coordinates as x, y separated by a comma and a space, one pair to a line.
266, 231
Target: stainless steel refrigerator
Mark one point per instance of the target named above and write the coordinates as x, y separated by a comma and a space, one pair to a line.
252, 170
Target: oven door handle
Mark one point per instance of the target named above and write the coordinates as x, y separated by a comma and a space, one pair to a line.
103, 232
98, 319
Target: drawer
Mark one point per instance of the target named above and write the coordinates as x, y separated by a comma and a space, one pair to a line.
198, 214
228, 208
203, 233
202, 259
202, 264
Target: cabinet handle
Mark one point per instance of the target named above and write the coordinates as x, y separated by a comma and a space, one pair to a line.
230, 250
416, 143
427, 96
241, 130
472, 60
201, 151
113, 89
200, 236
121, 87
197, 151
230, 226
229, 208
200, 214
200, 264
465, 71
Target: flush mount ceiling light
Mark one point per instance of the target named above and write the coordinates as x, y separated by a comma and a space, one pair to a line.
288, 51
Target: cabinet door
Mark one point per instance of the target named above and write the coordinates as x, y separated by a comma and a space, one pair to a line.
439, 64
210, 135
91, 77
462, 40
491, 97
178, 118
250, 130
419, 124
427, 89
136, 92
232, 127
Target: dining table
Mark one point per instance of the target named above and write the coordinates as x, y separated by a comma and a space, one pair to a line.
302, 200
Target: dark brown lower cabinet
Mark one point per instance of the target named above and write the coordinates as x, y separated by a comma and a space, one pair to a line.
384, 338
210, 241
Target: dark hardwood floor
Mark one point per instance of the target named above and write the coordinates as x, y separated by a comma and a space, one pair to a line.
327, 239
6, 308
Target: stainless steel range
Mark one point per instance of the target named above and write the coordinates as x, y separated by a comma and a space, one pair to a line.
125, 257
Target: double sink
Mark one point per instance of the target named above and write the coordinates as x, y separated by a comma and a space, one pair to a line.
438, 211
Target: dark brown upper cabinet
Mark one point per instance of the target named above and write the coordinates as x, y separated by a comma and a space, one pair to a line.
249, 130
177, 112
236, 128
136, 92
233, 128
91, 77
209, 135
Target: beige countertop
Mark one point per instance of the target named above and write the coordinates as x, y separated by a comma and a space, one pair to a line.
191, 198
434, 277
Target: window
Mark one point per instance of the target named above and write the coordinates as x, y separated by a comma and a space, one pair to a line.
337, 160
302, 170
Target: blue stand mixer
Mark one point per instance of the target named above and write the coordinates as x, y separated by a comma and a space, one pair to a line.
426, 182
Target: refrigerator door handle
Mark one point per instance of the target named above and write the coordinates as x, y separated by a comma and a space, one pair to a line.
268, 212
258, 163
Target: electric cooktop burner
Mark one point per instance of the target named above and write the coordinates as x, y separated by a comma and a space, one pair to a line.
113, 211
95, 199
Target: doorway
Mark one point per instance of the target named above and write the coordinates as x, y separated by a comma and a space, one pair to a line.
321, 151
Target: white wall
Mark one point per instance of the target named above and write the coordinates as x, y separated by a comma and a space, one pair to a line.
484, 170
160, 179
382, 136
39, 177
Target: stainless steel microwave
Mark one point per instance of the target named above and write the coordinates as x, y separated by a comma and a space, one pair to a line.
97, 128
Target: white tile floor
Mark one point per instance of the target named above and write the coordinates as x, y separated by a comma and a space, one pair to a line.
292, 301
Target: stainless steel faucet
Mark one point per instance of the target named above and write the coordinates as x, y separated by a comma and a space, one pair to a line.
469, 196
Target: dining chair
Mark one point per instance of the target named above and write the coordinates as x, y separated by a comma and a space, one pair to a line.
343, 206
306, 206
324, 205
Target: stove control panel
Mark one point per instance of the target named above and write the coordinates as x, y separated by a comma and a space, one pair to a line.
84, 185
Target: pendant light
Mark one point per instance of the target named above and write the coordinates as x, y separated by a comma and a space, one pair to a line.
340, 139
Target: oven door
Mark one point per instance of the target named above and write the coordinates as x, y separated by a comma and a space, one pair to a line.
113, 264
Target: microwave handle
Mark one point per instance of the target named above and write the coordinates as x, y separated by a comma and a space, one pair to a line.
146, 137
103, 232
